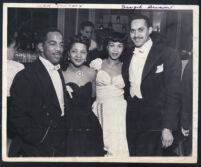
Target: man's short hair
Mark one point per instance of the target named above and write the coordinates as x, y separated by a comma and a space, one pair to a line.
86, 24
141, 16
43, 34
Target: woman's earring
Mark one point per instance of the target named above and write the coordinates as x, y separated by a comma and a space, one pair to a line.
68, 58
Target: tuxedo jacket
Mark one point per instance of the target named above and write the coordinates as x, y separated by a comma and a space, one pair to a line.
160, 88
36, 113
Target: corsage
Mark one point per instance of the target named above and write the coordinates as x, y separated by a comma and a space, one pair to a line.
70, 91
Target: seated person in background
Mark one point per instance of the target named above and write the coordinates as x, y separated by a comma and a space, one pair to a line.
13, 68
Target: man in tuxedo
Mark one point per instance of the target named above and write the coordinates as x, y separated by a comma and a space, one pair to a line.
151, 72
38, 103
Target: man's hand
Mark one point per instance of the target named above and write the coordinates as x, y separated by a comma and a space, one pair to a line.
167, 138
185, 132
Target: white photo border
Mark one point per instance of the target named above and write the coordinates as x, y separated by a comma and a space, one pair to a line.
191, 159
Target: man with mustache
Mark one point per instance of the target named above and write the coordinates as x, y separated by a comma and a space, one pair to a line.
38, 102
152, 74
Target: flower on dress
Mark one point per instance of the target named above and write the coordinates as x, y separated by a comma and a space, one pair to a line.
70, 91
96, 64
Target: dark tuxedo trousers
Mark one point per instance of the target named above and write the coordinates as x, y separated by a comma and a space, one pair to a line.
36, 114
158, 109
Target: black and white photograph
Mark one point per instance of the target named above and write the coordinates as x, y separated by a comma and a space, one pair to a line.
100, 83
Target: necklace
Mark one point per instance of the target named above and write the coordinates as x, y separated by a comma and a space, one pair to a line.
79, 73
113, 64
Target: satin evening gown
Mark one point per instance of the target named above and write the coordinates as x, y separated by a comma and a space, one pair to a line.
110, 108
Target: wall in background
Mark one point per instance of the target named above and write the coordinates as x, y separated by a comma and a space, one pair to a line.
175, 27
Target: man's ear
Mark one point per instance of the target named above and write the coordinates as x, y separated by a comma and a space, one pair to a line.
150, 30
40, 47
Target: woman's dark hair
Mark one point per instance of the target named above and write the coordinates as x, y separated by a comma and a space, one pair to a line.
78, 39
116, 37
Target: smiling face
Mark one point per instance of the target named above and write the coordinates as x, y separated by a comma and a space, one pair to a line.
52, 48
139, 32
78, 54
115, 49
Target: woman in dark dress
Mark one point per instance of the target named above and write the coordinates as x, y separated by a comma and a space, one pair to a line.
84, 135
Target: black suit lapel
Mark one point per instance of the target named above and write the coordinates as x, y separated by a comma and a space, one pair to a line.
126, 64
125, 70
46, 85
66, 104
153, 56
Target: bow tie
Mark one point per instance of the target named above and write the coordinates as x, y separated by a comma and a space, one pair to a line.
138, 50
56, 67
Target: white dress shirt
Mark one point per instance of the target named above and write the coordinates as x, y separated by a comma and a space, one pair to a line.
56, 80
136, 68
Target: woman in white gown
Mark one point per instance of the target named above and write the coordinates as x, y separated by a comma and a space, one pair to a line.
110, 105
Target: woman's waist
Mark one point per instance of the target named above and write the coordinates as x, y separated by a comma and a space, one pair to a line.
109, 98
110, 93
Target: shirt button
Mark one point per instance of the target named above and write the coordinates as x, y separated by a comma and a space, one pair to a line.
47, 114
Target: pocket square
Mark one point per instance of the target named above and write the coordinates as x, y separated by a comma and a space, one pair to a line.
159, 68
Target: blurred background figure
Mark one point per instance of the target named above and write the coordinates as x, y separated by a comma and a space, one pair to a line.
13, 68
86, 32
100, 51
27, 51
184, 136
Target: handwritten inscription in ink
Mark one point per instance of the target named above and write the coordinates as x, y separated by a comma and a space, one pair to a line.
145, 7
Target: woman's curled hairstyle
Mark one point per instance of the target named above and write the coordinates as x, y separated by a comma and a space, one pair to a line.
116, 37
78, 39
